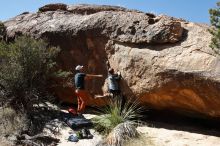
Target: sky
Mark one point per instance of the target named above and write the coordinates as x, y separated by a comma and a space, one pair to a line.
191, 10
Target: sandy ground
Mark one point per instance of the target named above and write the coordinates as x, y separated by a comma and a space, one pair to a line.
157, 136
82, 142
166, 137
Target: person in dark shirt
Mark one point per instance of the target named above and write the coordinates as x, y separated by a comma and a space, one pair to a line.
79, 80
82, 95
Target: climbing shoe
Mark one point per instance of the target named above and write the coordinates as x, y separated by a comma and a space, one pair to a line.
84, 133
89, 135
73, 138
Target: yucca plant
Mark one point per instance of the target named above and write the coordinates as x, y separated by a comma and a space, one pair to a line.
117, 112
118, 121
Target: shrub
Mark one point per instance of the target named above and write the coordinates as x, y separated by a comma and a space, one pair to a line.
215, 30
12, 122
2, 31
26, 68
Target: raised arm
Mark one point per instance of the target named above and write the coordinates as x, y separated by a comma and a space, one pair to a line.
90, 76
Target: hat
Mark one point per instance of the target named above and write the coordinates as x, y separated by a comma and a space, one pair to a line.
79, 67
73, 138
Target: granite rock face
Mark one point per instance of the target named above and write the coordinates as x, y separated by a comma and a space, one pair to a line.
114, 23
164, 61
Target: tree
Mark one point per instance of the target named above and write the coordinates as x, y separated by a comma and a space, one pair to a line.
215, 30
2, 31
26, 68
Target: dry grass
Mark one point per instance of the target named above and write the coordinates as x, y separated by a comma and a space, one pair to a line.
121, 133
10, 121
4, 142
125, 134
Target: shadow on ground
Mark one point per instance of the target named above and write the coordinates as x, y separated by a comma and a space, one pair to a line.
173, 121
176, 121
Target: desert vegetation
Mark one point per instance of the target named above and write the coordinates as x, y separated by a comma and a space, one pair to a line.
2, 31
26, 68
215, 30
118, 121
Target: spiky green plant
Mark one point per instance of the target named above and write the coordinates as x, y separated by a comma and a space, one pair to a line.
116, 113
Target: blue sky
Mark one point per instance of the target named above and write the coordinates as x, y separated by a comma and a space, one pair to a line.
192, 10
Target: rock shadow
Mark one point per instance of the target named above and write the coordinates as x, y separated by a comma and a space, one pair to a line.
156, 47
176, 121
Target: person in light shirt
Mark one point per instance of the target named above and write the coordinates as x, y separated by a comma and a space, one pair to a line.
113, 82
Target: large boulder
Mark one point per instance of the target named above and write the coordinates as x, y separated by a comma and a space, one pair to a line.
165, 62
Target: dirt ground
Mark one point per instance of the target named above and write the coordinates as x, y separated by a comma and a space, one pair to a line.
158, 133
163, 132
66, 131
166, 137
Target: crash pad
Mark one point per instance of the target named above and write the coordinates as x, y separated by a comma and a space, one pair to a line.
75, 121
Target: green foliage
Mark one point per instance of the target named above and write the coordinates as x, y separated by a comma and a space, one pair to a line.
115, 114
60, 73
26, 67
215, 30
2, 31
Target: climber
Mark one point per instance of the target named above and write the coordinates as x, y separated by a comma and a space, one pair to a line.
81, 93
113, 82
